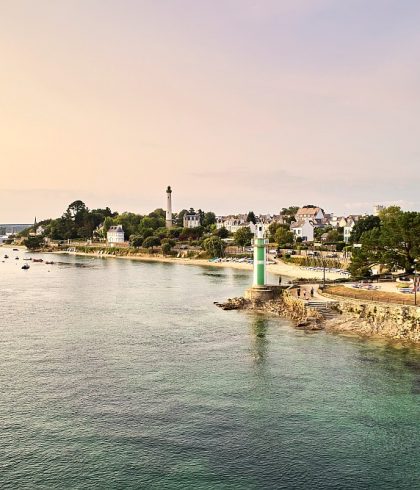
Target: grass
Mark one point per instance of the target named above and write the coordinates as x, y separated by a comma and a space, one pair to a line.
382, 296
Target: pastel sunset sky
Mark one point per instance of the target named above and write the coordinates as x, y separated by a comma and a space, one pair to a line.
237, 104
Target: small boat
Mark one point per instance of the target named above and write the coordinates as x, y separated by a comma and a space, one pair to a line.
15, 250
16, 258
6, 256
25, 266
37, 260
49, 263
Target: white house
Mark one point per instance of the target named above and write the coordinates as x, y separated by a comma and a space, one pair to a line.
191, 220
115, 234
348, 227
303, 229
337, 222
234, 223
40, 230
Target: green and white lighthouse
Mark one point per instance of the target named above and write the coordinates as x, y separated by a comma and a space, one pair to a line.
260, 290
260, 256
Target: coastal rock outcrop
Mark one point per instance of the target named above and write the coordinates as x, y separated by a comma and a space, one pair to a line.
399, 322
286, 306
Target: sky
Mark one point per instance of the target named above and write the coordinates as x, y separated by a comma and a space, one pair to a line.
237, 104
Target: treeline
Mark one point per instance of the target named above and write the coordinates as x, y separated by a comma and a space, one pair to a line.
80, 222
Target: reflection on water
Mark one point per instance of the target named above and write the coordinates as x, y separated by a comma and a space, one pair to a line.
259, 342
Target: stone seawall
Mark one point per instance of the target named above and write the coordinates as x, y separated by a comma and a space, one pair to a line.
366, 318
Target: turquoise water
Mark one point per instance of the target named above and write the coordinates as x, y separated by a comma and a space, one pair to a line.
120, 374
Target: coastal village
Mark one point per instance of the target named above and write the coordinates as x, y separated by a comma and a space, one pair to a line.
210, 245
320, 261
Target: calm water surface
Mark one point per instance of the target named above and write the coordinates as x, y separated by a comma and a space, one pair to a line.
121, 374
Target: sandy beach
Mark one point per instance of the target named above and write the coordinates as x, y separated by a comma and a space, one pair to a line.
279, 269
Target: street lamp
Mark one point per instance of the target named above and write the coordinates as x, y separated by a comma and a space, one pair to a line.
416, 285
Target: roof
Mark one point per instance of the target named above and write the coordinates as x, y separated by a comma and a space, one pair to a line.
308, 211
118, 228
300, 223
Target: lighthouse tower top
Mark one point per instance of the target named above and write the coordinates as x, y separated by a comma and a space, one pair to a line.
259, 231
169, 190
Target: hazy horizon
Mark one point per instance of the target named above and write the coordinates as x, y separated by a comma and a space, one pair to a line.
239, 106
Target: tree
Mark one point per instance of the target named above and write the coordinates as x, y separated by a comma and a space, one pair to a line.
146, 232
180, 218
395, 243
222, 232
364, 224
34, 242
151, 222
192, 233
161, 233
175, 232
209, 219
273, 227
360, 266
243, 236
158, 213
166, 248
319, 231
136, 241
283, 237
251, 217
214, 246
289, 213
334, 235
400, 238
75, 209
169, 241
108, 222
151, 241
201, 213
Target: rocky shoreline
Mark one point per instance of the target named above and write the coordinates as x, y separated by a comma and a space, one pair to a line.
286, 306
394, 323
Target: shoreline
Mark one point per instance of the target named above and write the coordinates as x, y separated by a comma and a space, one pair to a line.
279, 269
355, 318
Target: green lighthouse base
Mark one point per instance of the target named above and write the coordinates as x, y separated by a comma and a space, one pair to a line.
259, 293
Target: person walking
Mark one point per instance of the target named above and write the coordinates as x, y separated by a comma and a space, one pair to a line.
312, 292
298, 292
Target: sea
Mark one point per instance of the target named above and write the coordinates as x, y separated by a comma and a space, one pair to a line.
120, 374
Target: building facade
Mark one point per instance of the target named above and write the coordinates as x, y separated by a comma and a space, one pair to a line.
115, 234
303, 229
191, 220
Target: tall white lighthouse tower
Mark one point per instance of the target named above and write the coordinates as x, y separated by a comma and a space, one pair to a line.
169, 207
